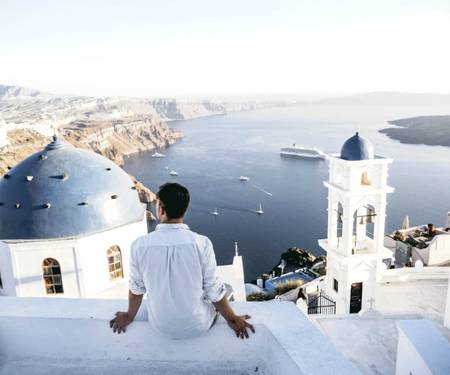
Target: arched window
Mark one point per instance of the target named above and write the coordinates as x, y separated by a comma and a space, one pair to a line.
115, 262
52, 276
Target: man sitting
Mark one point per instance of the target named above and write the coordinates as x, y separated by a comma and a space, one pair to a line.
177, 268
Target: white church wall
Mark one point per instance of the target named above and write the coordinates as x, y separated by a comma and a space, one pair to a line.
93, 255
333, 273
28, 259
6, 271
356, 269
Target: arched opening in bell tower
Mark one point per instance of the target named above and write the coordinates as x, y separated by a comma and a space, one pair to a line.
363, 224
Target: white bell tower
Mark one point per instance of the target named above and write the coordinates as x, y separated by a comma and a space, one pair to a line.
357, 189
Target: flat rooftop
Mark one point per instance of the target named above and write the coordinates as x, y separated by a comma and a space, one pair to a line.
72, 336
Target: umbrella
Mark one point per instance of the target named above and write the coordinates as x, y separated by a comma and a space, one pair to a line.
405, 222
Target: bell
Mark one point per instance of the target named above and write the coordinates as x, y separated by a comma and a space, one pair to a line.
369, 219
362, 220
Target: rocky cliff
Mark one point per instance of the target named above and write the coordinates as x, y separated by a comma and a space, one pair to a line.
112, 126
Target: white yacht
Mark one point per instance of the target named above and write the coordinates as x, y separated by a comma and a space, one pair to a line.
302, 152
244, 178
259, 211
173, 173
215, 212
158, 155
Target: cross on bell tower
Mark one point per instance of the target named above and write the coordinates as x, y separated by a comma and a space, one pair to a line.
357, 190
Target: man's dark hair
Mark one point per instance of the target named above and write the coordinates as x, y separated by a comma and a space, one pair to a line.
175, 199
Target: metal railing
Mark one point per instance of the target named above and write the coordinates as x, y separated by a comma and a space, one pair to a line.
321, 304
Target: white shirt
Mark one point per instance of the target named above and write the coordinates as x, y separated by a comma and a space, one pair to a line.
177, 268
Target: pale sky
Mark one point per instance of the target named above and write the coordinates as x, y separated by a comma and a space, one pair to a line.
228, 47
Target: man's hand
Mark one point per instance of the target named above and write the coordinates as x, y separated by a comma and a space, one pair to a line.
239, 324
236, 322
123, 319
120, 322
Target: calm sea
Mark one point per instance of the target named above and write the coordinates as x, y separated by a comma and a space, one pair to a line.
215, 151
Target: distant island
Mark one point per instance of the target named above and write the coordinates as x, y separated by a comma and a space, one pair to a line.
427, 130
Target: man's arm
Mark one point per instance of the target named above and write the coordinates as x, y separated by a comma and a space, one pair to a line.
123, 319
238, 323
216, 292
136, 292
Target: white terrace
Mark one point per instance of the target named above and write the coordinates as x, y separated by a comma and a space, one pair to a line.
72, 336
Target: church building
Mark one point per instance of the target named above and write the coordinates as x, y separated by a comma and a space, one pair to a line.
357, 190
67, 220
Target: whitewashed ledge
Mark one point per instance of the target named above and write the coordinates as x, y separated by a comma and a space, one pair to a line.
72, 336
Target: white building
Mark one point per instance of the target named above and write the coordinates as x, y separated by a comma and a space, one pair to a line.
67, 221
416, 245
357, 189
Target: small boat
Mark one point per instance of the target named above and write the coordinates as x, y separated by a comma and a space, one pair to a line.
173, 173
243, 178
259, 211
215, 212
158, 155
302, 152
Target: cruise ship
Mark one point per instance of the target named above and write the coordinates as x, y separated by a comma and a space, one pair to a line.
302, 152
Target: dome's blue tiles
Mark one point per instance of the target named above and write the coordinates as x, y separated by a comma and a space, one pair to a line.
357, 148
69, 195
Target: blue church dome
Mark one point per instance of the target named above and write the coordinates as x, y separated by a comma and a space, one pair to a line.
63, 191
357, 148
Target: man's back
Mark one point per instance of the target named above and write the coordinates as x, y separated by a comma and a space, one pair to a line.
177, 268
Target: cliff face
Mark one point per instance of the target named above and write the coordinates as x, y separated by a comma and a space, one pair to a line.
113, 140
21, 143
113, 127
120, 137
